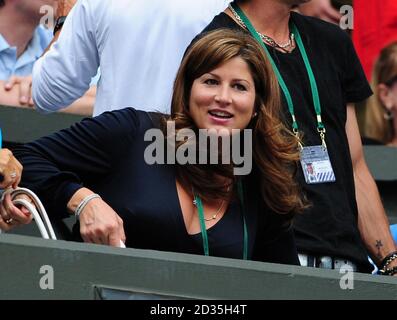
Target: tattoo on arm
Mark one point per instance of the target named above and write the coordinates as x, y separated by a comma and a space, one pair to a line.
378, 245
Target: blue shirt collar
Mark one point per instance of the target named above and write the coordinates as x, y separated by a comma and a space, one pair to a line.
33, 51
40, 40
3, 44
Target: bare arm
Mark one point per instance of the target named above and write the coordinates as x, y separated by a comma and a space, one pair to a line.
83, 106
372, 220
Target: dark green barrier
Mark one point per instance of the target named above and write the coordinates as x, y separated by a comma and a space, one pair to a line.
83, 271
23, 125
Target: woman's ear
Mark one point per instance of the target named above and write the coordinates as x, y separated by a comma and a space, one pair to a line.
385, 96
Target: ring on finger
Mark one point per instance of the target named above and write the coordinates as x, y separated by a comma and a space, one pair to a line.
9, 221
13, 175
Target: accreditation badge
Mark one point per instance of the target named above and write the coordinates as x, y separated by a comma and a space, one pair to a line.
316, 165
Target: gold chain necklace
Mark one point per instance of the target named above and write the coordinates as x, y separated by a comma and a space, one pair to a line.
215, 215
264, 37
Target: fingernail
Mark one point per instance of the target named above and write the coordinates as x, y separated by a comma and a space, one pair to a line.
24, 100
8, 86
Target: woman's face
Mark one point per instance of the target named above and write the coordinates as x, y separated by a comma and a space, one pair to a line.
393, 96
223, 98
388, 96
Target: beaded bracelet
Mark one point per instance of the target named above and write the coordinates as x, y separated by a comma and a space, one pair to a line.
388, 259
389, 272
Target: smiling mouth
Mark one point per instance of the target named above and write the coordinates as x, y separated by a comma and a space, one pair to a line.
220, 114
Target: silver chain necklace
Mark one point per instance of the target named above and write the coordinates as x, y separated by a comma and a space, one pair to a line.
264, 37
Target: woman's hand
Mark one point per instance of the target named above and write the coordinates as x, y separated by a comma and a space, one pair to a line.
12, 216
10, 170
99, 223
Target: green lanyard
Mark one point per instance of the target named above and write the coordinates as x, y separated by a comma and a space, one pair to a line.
284, 88
204, 230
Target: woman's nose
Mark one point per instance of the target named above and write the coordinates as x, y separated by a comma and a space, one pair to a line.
223, 95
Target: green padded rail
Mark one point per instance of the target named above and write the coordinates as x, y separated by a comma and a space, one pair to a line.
20, 125
84, 271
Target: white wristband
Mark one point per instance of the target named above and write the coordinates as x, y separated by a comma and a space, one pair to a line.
83, 203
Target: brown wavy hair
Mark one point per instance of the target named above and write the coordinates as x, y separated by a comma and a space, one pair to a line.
275, 150
385, 70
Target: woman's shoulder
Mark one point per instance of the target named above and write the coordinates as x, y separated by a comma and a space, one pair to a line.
126, 124
132, 118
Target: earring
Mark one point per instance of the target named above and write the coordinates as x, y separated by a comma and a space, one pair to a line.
255, 114
388, 115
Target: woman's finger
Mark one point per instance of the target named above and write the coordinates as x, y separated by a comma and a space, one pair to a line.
3, 225
15, 213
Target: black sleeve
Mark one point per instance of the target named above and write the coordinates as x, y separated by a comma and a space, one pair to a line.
56, 166
276, 242
354, 82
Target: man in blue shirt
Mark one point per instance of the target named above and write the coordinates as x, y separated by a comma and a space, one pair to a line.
22, 38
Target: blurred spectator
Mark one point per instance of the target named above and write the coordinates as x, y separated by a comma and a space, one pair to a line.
375, 26
138, 45
381, 113
321, 9
22, 40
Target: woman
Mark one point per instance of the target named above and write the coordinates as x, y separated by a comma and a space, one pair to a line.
381, 114
224, 83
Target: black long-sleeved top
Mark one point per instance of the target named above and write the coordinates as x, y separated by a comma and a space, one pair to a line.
106, 155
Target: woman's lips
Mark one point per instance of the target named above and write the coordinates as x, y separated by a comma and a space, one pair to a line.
220, 116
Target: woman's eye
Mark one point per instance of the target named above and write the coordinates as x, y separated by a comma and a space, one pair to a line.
240, 87
211, 82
